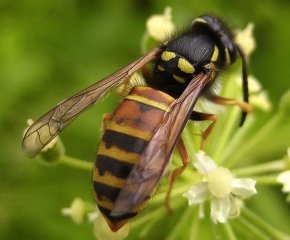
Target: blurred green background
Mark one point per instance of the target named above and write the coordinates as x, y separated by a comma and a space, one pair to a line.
50, 50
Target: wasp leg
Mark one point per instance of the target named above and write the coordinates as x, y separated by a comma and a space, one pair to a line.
197, 116
176, 172
146, 73
246, 107
105, 119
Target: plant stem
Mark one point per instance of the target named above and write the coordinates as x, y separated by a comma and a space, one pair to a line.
261, 223
76, 163
273, 166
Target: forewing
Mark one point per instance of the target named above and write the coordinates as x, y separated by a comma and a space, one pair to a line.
47, 127
146, 174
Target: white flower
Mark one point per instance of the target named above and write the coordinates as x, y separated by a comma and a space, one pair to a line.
93, 215
221, 186
160, 26
30, 152
103, 232
246, 40
77, 210
284, 178
258, 97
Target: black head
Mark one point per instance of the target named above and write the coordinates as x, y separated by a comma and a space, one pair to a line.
222, 36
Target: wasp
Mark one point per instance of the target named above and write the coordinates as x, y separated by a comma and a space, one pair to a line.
142, 133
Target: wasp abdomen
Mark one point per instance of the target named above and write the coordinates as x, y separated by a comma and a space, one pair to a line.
126, 136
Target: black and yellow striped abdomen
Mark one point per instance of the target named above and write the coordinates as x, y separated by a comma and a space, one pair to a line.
125, 138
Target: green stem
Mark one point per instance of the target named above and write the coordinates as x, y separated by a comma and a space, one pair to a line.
225, 136
246, 147
273, 166
156, 214
177, 192
147, 228
267, 180
229, 231
194, 226
238, 138
175, 233
241, 222
262, 224
76, 163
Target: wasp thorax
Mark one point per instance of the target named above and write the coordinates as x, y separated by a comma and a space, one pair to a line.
183, 59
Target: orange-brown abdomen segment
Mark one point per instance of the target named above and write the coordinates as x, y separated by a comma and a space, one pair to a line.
126, 136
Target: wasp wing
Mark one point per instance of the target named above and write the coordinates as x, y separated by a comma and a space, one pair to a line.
47, 127
146, 174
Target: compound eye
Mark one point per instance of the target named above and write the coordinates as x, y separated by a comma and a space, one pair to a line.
232, 50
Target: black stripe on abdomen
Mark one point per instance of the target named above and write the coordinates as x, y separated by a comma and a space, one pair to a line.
124, 142
114, 166
107, 213
104, 190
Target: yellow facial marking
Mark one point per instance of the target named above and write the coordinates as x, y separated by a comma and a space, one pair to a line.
200, 20
160, 68
166, 55
185, 66
228, 59
179, 79
215, 54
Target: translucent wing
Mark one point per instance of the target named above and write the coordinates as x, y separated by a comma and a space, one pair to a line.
47, 127
146, 174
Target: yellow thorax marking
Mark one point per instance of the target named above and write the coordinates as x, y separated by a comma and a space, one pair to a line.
185, 66
166, 55
200, 20
178, 79
160, 68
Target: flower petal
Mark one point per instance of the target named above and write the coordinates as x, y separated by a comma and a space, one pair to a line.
197, 194
220, 208
236, 205
244, 186
284, 178
204, 164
